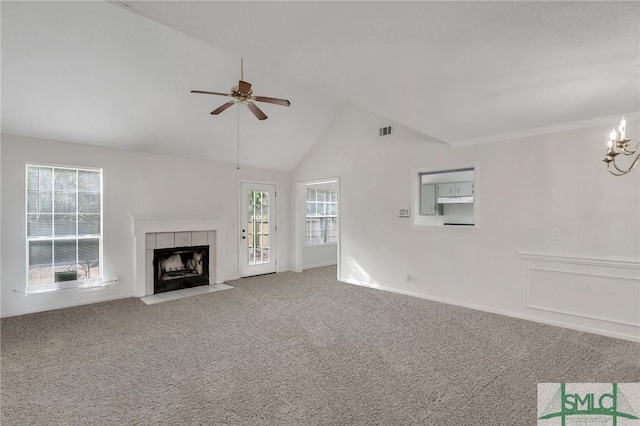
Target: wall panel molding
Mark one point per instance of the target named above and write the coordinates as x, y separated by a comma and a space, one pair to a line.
587, 295
574, 260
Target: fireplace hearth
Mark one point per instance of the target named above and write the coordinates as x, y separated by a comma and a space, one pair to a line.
180, 267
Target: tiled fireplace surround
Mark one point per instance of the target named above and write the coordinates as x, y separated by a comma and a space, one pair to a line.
155, 232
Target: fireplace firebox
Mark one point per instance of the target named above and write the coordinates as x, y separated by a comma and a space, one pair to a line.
180, 267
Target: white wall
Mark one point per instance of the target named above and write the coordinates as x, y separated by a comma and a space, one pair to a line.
550, 217
133, 183
319, 255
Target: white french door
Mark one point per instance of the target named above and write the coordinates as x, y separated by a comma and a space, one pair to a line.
257, 229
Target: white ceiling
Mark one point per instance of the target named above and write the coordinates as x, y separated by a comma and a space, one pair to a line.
96, 73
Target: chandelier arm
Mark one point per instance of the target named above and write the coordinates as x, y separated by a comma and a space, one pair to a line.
629, 169
613, 172
633, 151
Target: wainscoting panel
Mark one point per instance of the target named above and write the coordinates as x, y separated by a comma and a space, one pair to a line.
596, 296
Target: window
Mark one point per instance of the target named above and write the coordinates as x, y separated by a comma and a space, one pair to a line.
64, 226
322, 216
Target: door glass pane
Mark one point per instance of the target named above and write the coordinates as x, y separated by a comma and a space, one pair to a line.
258, 227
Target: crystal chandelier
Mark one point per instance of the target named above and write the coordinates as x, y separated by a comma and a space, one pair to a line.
619, 144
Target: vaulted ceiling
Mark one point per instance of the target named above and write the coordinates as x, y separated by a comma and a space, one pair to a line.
119, 75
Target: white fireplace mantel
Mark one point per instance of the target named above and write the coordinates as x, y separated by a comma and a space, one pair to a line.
142, 224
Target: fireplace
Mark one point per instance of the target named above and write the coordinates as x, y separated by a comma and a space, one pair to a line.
151, 231
180, 267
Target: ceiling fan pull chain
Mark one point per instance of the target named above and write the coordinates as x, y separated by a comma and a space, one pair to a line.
238, 142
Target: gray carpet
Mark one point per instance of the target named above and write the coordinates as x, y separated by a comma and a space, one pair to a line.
291, 349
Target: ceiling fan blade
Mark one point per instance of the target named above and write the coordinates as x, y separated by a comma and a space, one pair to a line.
244, 87
268, 100
221, 108
210, 93
256, 111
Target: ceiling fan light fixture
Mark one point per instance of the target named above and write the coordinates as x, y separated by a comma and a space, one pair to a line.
243, 93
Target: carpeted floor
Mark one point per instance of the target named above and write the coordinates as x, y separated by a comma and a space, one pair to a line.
291, 349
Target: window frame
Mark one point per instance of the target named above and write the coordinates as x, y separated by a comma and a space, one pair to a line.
323, 219
78, 283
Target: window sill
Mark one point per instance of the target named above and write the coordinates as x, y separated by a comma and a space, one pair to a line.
321, 244
94, 286
446, 228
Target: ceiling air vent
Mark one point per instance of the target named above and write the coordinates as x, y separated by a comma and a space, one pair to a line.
385, 131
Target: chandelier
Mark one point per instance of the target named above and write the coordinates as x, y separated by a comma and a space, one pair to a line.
619, 144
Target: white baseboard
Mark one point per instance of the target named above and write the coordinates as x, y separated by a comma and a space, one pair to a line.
12, 313
319, 265
491, 310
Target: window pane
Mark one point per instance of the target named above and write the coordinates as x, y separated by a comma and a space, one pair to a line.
322, 196
65, 180
64, 224
38, 190
88, 202
332, 230
65, 202
265, 255
89, 250
334, 196
40, 262
46, 202
46, 179
32, 177
64, 253
40, 252
89, 224
39, 178
88, 181
32, 202
266, 199
88, 258
39, 225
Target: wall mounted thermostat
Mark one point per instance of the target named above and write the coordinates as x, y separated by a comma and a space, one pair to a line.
405, 213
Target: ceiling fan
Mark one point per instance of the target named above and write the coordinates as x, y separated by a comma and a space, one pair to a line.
243, 94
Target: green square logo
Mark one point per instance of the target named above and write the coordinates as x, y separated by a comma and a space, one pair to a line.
581, 404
